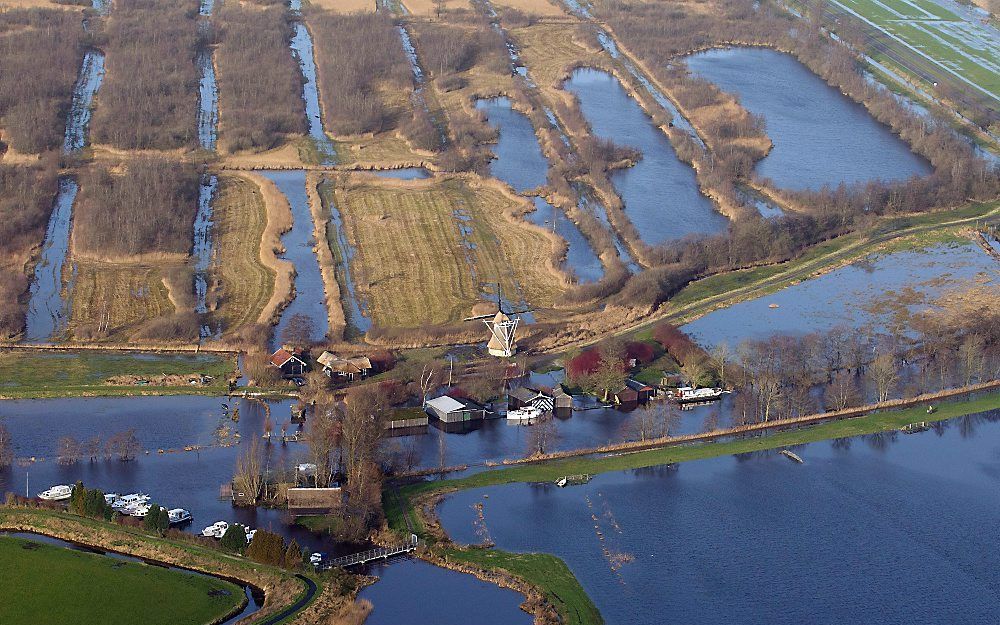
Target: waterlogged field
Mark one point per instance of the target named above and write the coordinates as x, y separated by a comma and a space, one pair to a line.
57, 586
425, 251
949, 34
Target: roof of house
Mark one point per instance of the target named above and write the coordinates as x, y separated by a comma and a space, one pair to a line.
446, 404
282, 357
525, 393
636, 385
355, 364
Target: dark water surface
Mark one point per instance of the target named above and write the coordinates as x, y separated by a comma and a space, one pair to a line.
302, 50
46, 308
520, 163
660, 192
417, 593
882, 529
820, 136
309, 299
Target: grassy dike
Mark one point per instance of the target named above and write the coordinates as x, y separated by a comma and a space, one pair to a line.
550, 574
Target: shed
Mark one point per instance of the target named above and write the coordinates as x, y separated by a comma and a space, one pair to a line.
406, 418
303, 501
450, 410
626, 398
562, 403
643, 391
345, 368
290, 363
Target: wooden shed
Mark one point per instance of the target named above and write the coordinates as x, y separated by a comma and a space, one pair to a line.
451, 410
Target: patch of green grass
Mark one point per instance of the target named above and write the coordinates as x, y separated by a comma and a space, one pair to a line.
43, 373
321, 523
56, 585
545, 571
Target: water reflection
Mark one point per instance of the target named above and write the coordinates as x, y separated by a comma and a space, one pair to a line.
46, 308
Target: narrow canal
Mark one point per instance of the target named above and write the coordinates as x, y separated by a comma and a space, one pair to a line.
888, 527
660, 192
820, 136
356, 313
46, 307
520, 163
202, 248
302, 49
309, 299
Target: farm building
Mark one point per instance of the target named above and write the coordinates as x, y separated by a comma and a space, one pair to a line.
345, 368
451, 410
527, 396
290, 362
562, 403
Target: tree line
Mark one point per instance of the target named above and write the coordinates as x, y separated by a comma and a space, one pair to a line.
149, 97
148, 208
260, 85
40, 55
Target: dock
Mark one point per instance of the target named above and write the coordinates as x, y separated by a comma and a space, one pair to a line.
379, 553
792, 456
572, 480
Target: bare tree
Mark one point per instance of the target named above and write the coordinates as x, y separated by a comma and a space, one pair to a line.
362, 430
428, 380
721, 355
972, 356
91, 448
68, 450
124, 446
842, 392
248, 477
323, 438
298, 332
884, 373
541, 435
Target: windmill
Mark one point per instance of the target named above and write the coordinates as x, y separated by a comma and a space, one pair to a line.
502, 325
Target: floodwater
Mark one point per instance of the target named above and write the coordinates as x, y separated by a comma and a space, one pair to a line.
660, 192
208, 102
302, 50
886, 528
255, 599
820, 136
417, 593
201, 250
175, 478
46, 307
417, 98
87, 83
520, 163
405, 173
908, 281
309, 297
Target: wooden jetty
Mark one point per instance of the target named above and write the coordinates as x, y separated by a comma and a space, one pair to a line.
379, 553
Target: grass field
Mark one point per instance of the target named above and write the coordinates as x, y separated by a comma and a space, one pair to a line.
55, 585
244, 284
423, 251
122, 295
45, 373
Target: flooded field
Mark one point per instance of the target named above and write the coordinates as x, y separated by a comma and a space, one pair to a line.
660, 192
309, 299
302, 50
696, 543
355, 311
175, 478
417, 593
520, 163
820, 136
907, 281
201, 250
208, 103
81, 109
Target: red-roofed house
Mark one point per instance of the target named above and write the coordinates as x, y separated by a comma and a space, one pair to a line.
290, 363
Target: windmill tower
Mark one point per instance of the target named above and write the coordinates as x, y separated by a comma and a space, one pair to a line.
503, 326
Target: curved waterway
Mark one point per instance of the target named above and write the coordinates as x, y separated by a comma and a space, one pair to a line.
905, 282
46, 308
254, 597
417, 593
660, 192
890, 528
520, 163
820, 136
174, 478
309, 298
302, 50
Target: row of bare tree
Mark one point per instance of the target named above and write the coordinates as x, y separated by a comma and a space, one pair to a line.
40, 55
123, 446
149, 98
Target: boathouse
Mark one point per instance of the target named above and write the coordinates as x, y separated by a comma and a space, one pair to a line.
348, 369
562, 403
450, 410
290, 362
643, 391
526, 396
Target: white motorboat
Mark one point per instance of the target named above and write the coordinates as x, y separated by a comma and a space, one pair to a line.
215, 530
527, 413
691, 394
110, 498
178, 516
316, 558
61, 492
129, 501
139, 510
